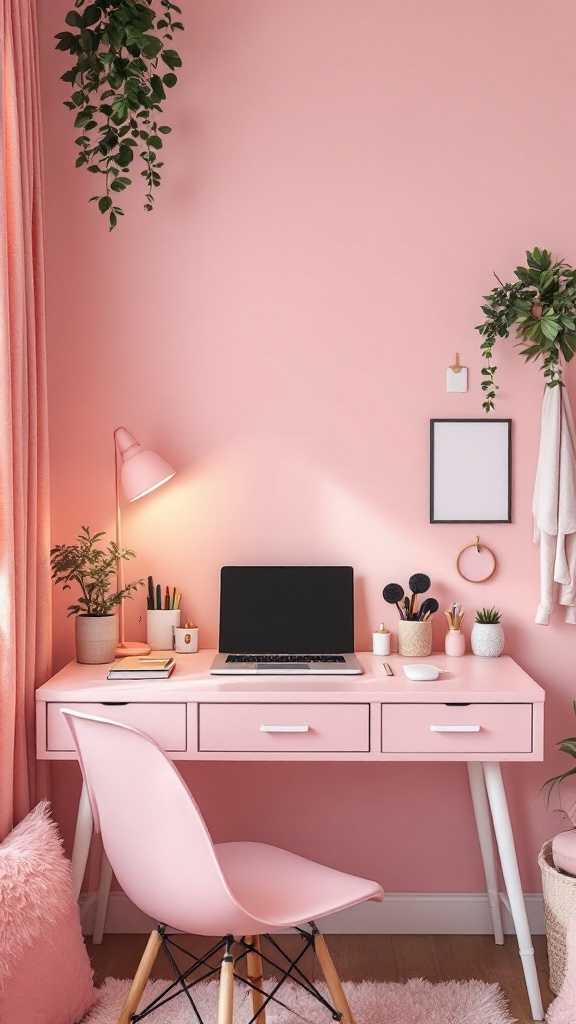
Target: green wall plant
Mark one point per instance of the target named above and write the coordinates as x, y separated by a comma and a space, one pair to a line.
541, 305
123, 64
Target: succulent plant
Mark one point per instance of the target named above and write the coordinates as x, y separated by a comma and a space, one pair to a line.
487, 616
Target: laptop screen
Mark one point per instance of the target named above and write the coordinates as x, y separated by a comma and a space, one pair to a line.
287, 609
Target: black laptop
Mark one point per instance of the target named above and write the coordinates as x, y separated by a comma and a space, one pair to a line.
286, 620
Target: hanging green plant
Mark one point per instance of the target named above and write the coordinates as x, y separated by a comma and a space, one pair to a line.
541, 306
119, 47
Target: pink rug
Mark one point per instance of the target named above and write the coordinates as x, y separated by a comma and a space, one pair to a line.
413, 1002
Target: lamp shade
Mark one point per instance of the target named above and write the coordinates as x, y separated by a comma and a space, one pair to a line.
142, 469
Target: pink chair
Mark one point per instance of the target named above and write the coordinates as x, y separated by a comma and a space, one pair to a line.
163, 856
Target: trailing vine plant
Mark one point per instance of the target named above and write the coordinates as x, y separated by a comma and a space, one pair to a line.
119, 83
541, 305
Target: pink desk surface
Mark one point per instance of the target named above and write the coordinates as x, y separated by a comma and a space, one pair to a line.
482, 680
480, 708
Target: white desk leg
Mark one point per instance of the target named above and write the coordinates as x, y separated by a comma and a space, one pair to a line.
482, 815
509, 862
102, 902
82, 838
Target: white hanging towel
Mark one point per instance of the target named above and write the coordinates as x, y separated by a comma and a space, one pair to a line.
554, 506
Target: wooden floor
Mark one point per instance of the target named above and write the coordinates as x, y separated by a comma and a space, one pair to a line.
370, 957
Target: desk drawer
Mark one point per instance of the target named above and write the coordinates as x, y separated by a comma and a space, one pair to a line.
166, 723
445, 729
286, 728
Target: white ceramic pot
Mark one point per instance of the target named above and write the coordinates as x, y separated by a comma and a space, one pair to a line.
487, 639
96, 638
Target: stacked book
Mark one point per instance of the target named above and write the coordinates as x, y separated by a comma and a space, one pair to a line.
142, 668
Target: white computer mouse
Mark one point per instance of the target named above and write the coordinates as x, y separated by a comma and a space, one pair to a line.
422, 672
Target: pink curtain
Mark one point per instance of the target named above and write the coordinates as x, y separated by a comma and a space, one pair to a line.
25, 588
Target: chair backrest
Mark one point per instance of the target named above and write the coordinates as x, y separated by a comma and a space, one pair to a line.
152, 830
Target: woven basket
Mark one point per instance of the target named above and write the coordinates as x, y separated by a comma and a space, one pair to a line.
414, 638
559, 906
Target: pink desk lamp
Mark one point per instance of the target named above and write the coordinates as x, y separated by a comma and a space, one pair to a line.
138, 471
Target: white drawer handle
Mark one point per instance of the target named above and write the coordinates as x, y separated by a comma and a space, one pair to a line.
454, 728
284, 728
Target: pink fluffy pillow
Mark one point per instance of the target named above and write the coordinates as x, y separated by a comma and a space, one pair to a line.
45, 973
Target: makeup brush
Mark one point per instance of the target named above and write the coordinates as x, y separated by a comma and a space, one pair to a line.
419, 583
429, 606
393, 594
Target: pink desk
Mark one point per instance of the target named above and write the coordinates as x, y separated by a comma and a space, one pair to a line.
482, 711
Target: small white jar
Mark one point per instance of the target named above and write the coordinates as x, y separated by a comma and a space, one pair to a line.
186, 639
381, 640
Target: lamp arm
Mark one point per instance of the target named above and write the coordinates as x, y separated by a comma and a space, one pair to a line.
119, 562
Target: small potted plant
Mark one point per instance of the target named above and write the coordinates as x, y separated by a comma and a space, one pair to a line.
540, 305
93, 569
487, 636
557, 862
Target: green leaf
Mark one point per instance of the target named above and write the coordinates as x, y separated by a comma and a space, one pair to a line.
171, 58
150, 46
66, 41
104, 204
164, 129
91, 15
550, 328
87, 40
74, 19
82, 119
169, 80
125, 156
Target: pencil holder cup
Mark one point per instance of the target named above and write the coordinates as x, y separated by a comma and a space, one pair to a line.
159, 628
414, 638
186, 639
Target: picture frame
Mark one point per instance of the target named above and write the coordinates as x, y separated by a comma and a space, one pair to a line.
470, 471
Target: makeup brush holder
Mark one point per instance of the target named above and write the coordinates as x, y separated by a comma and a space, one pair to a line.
414, 638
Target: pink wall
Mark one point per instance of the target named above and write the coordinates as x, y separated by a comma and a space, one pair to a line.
342, 178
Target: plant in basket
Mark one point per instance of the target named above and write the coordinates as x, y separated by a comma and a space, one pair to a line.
557, 862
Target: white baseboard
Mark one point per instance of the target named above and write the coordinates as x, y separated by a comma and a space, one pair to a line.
401, 913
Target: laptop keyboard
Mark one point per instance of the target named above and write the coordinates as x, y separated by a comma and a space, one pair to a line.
330, 659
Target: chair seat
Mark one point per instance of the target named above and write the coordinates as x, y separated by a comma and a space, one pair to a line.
281, 889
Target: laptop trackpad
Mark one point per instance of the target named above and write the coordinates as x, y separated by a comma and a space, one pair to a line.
282, 666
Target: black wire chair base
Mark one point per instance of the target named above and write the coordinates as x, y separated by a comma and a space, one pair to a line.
185, 981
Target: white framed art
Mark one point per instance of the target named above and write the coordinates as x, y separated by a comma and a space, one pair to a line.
470, 471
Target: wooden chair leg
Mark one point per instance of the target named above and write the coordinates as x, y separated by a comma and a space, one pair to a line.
254, 971
226, 989
141, 977
332, 980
